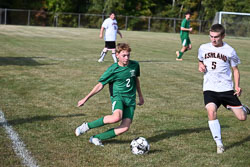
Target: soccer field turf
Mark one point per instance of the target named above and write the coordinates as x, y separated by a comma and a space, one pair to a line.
44, 71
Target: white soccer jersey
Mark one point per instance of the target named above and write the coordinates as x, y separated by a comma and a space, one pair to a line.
218, 62
110, 29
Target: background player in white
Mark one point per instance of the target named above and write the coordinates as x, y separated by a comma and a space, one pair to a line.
111, 30
216, 60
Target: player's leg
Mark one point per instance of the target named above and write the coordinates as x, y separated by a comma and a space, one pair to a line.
128, 115
117, 110
114, 56
108, 119
232, 102
115, 117
103, 54
183, 49
239, 113
211, 105
124, 126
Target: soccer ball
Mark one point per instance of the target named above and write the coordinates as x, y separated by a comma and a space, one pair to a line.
139, 146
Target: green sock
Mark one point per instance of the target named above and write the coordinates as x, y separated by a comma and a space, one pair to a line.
97, 123
180, 54
106, 135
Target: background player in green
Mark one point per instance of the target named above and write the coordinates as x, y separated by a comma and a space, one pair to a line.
184, 34
123, 83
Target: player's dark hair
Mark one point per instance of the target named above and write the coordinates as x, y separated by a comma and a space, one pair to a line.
188, 12
218, 28
122, 46
112, 12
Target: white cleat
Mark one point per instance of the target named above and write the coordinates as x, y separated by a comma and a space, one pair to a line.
220, 149
100, 60
95, 141
81, 129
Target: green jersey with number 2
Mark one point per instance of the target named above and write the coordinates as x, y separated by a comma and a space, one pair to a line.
122, 80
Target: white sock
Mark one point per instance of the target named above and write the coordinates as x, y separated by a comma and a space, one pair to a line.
103, 54
215, 129
114, 57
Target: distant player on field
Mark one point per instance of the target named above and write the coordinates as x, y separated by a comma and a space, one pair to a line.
216, 60
111, 30
184, 34
123, 81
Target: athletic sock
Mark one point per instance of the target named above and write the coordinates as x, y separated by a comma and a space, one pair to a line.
180, 54
106, 135
103, 54
114, 58
97, 123
215, 129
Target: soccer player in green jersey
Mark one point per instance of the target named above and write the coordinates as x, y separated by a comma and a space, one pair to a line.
184, 34
123, 83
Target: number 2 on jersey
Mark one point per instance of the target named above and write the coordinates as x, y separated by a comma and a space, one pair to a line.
128, 83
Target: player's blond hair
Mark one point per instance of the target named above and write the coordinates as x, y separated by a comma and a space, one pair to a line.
122, 46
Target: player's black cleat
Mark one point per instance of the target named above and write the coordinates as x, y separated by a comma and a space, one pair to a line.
246, 109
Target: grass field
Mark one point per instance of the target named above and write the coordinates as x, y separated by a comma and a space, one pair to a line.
45, 71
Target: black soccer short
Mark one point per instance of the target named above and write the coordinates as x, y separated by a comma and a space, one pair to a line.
227, 99
110, 44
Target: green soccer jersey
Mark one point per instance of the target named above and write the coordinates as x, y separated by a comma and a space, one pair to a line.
185, 24
122, 80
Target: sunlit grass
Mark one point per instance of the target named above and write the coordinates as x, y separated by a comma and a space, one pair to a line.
45, 71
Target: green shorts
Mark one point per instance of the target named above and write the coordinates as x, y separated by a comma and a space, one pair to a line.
185, 41
127, 105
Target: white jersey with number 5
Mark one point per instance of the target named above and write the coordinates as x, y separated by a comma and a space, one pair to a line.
218, 62
110, 29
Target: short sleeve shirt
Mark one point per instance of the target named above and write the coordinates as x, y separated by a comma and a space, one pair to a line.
218, 62
185, 24
122, 80
110, 29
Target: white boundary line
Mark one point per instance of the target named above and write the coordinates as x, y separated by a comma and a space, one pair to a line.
17, 144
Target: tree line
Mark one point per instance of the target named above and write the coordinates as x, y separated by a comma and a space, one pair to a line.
201, 9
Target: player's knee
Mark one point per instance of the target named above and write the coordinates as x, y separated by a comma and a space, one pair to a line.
242, 118
105, 49
115, 118
113, 50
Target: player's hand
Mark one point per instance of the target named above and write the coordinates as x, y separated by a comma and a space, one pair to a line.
81, 102
190, 29
202, 67
141, 101
100, 36
238, 91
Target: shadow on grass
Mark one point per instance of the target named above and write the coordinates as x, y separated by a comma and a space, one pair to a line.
236, 144
167, 134
172, 133
40, 118
20, 61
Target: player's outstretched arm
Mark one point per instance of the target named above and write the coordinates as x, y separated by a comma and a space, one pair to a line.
138, 88
94, 91
236, 74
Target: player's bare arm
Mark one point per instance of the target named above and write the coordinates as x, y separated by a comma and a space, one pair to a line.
138, 88
94, 91
202, 67
186, 29
236, 74
118, 31
101, 32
